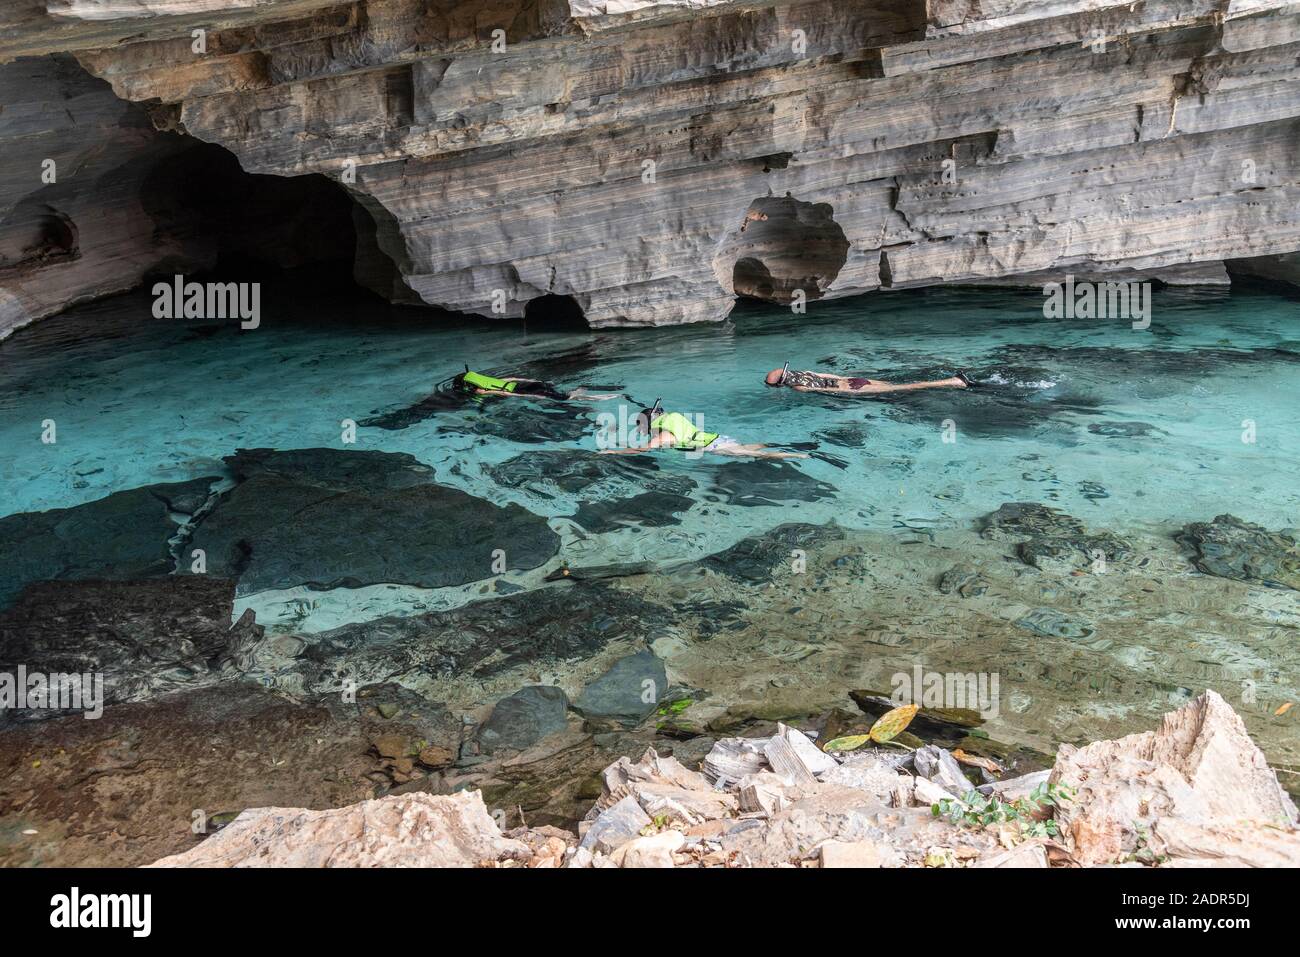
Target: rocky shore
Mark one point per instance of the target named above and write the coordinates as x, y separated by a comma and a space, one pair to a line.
534, 697
1195, 792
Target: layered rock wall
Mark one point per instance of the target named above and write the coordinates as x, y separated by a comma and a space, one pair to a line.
653, 160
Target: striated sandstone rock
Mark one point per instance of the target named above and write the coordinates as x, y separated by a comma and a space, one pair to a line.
408, 830
1174, 789
832, 147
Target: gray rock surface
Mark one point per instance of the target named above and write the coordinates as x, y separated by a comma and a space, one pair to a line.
835, 146
524, 718
121, 536
330, 518
628, 691
1231, 548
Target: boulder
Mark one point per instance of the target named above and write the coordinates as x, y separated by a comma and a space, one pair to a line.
406, 830
615, 826
524, 718
329, 518
655, 850
628, 692
1171, 790
1231, 548
121, 536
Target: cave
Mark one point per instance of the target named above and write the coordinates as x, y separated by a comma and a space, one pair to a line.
230, 221
783, 246
554, 313
36, 234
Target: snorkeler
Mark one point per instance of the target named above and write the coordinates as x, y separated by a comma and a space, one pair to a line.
477, 383
832, 384
672, 430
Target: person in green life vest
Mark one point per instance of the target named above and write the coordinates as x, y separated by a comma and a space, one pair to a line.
672, 430
478, 383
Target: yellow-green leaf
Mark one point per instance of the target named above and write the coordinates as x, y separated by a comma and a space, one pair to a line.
889, 724
848, 743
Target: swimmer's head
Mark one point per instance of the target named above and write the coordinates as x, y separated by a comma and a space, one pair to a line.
776, 376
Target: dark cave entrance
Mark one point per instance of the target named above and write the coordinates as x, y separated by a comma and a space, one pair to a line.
36, 234
782, 247
301, 231
552, 313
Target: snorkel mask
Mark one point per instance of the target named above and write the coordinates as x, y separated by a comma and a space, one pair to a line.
781, 381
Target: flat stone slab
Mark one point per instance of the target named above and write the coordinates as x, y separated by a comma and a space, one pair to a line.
524, 718
621, 692
1231, 548
327, 518
122, 536
144, 637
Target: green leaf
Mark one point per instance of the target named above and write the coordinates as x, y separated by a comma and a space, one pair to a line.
890, 724
848, 743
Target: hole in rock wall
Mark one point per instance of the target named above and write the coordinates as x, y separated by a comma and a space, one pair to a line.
783, 245
250, 226
552, 313
34, 234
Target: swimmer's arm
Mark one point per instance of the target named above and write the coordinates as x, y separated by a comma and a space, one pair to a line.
660, 440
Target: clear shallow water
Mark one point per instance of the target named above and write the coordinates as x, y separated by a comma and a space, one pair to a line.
1120, 427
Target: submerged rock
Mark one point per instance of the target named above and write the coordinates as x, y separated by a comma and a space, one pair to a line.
628, 692
759, 557
480, 639
327, 518
1050, 623
121, 536
524, 718
1231, 548
1053, 541
555, 472
144, 637
651, 509
763, 482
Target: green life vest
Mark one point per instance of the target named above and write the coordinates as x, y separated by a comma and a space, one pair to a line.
480, 381
689, 438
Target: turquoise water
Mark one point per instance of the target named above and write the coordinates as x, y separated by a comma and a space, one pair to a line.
1120, 427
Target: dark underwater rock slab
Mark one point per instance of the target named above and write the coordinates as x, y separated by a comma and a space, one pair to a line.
144, 637
764, 482
328, 518
521, 720
1124, 430
121, 536
482, 638
342, 470
1052, 624
520, 420
552, 472
650, 509
1231, 548
1052, 540
621, 693
757, 558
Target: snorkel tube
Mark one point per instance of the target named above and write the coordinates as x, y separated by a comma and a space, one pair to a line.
781, 380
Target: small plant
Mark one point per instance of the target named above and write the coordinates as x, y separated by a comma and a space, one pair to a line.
977, 810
